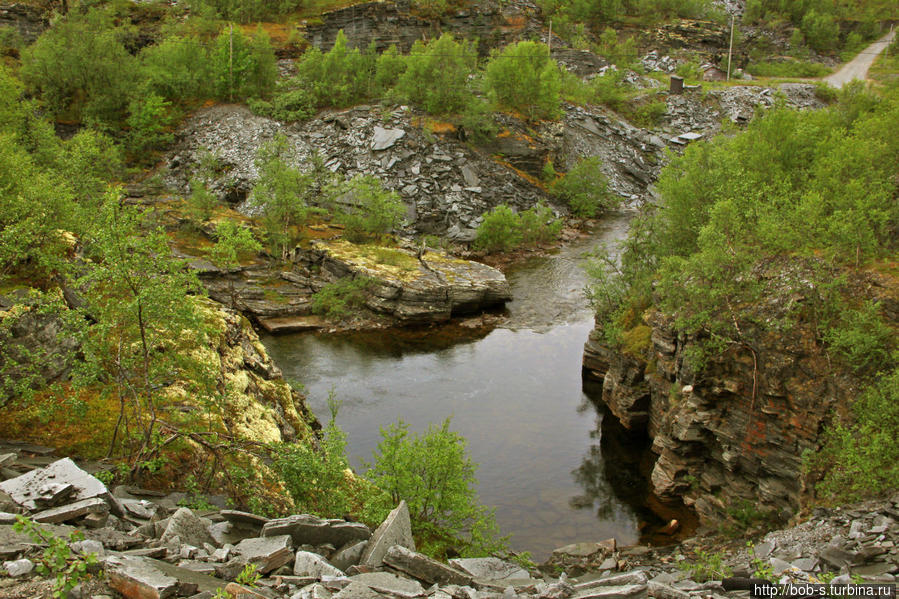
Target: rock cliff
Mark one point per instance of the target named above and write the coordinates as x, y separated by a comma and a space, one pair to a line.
730, 433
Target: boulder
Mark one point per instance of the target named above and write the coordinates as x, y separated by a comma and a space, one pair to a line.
385, 138
311, 564
396, 529
389, 584
424, 568
19, 567
305, 529
268, 553
348, 555
137, 578
490, 568
72, 511
189, 529
30, 489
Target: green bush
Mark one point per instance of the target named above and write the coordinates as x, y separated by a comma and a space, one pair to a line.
375, 212
503, 229
500, 230
80, 69
523, 77
340, 77
435, 476
150, 124
861, 459
585, 189
861, 338
436, 77
317, 478
243, 67
339, 299
177, 68
389, 67
821, 31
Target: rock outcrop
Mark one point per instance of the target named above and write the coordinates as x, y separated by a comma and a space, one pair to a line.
153, 548
730, 434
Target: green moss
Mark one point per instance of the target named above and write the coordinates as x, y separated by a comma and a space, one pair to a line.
636, 341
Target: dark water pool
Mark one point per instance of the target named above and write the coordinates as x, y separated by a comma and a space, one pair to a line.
554, 467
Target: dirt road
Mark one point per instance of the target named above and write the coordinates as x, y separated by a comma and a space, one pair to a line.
858, 67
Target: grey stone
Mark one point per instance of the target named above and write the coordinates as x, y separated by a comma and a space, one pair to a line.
244, 519
25, 490
663, 591
310, 564
837, 557
806, 564
635, 577
778, 565
763, 550
72, 511
268, 553
396, 529
357, 590
610, 563
19, 567
312, 591
423, 567
471, 178
613, 592
138, 578
489, 568
53, 494
875, 569
185, 525
385, 138
305, 529
348, 555
139, 508
7, 458
88, 546
390, 584
7, 518
581, 550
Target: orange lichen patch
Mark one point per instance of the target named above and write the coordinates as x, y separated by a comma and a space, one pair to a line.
516, 21
440, 128
279, 33
75, 423
527, 177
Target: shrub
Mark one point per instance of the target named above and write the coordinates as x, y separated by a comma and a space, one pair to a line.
585, 189
499, 231
861, 459
436, 77
340, 77
80, 69
861, 338
150, 124
435, 476
337, 300
821, 31
523, 77
243, 67
317, 478
177, 68
651, 113
389, 67
706, 566
376, 210
57, 559
539, 225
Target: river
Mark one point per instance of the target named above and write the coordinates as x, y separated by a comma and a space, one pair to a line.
554, 467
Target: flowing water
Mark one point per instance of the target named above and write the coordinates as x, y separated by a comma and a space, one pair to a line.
554, 467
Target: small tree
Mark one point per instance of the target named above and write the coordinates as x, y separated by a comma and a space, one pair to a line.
377, 211
138, 298
435, 476
585, 189
243, 67
281, 192
499, 231
232, 242
436, 77
523, 77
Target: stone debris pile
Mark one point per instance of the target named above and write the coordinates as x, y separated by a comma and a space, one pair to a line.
150, 548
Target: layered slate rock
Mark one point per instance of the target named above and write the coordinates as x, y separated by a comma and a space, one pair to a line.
395, 530
490, 568
33, 489
431, 287
268, 553
188, 528
424, 568
305, 529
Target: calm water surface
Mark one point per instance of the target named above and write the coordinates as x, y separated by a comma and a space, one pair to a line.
554, 468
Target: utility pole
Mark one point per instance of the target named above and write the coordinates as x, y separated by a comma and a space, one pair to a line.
231, 62
730, 51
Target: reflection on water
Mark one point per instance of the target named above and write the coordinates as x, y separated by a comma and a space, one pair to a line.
514, 393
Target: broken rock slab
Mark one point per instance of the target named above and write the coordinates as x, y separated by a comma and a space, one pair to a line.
29, 489
72, 511
385, 138
396, 529
357, 590
424, 568
305, 529
268, 553
312, 564
390, 584
189, 529
490, 568
138, 578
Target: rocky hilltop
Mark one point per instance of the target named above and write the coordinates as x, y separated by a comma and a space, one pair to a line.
148, 546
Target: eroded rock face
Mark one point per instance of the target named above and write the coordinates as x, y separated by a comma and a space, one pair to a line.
731, 434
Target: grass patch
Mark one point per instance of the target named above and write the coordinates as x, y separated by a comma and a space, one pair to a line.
788, 68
